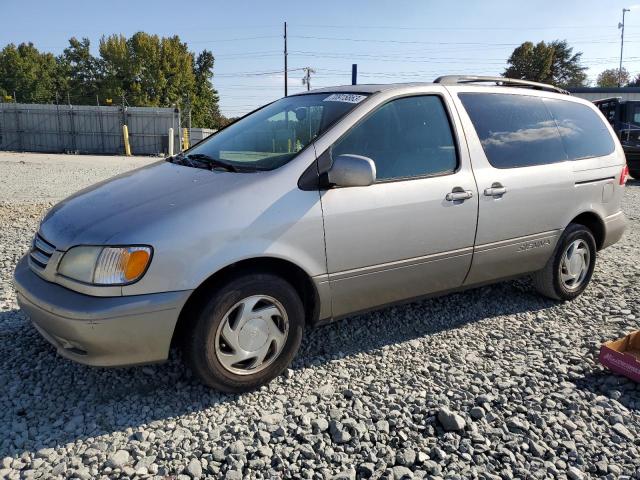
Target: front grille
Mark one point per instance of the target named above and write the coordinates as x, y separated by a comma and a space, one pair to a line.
41, 251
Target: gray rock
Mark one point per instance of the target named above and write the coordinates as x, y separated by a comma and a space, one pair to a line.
320, 425
324, 390
451, 422
272, 419
477, 413
345, 475
236, 448
383, 426
340, 436
119, 459
406, 457
82, 474
194, 468
574, 474
59, 469
218, 455
233, 475
623, 431
536, 449
516, 424
366, 469
402, 473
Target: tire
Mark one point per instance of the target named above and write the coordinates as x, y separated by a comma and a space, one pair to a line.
635, 174
553, 280
230, 325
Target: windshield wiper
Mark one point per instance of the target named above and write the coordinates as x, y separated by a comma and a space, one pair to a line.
212, 162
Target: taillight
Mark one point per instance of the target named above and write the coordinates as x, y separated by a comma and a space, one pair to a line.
624, 175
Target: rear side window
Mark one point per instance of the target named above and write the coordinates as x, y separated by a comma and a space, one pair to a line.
583, 133
515, 130
408, 137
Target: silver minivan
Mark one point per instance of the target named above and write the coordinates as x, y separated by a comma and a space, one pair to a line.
323, 204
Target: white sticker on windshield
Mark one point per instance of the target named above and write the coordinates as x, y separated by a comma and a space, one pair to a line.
345, 97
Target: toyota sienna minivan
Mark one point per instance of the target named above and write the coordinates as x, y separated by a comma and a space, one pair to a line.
319, 205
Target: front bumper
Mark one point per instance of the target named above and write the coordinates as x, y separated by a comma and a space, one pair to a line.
100, 331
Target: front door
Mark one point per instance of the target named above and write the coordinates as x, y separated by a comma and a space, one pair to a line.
411, 233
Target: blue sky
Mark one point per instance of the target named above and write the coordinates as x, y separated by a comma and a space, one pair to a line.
392, 41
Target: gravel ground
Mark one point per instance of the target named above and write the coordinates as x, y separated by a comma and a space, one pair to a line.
495, 382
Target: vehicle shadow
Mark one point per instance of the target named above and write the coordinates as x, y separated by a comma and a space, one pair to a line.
612, 385
49, 401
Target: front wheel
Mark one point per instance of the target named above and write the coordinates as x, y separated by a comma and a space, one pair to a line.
246, 333
569, 270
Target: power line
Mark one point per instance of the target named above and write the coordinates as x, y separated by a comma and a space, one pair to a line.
395, 27
419, 42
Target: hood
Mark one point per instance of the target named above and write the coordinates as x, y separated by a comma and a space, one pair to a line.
101, 212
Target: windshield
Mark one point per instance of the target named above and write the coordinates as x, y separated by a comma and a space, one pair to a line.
273, 135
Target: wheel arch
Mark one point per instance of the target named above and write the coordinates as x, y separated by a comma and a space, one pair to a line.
294, 274
594, 223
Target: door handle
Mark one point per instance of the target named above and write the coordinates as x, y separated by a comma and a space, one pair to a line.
458, 194
496, 190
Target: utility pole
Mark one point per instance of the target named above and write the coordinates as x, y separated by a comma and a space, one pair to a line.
621, 27
285, 59
306, 80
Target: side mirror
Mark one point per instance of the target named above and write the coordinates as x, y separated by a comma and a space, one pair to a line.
352, 171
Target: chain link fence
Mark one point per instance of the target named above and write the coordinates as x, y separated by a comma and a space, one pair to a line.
87, 129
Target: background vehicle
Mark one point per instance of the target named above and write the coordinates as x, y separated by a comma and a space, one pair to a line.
321, 205
624, 117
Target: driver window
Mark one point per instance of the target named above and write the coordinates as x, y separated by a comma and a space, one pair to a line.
407, 137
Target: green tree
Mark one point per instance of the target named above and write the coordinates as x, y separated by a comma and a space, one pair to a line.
82, 71
176, 68
115, 68
32, 75
610, 77
146, 69
204, 106
148, 78
553, 63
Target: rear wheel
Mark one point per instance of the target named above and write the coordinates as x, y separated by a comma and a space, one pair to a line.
569, 270
246, 333
634, 173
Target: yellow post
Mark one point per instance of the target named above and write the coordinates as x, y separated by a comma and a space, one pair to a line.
127, 146
185, 138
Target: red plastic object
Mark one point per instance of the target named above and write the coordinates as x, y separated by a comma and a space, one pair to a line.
624, 175
623, 356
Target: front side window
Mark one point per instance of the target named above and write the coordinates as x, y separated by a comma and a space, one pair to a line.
515, 130
407, 137
582, 131
273, 135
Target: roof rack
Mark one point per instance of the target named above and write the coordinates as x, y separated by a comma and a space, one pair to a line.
607, 99
506, 82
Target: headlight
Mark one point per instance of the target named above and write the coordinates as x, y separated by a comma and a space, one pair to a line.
105, 265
